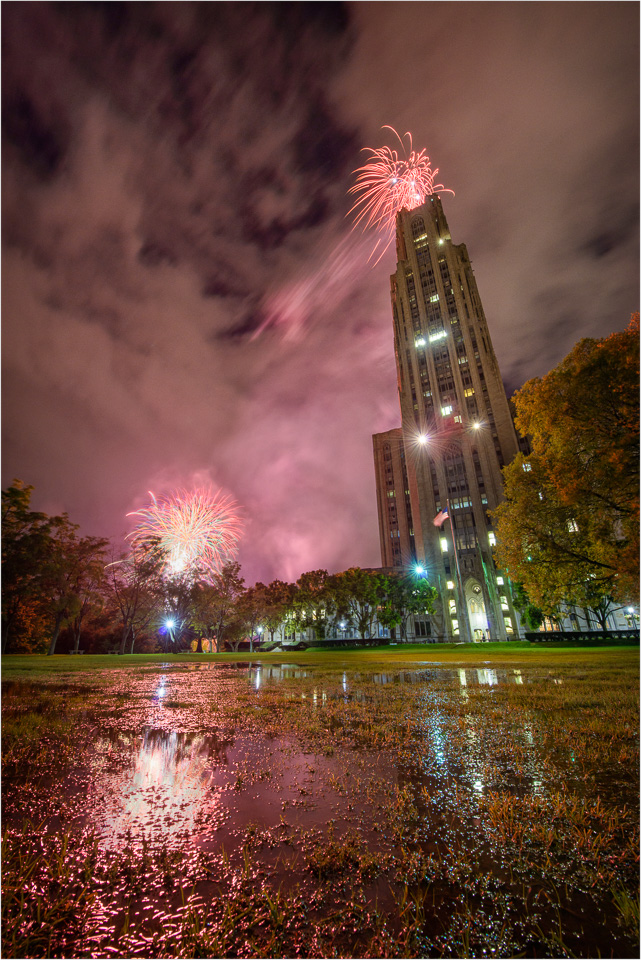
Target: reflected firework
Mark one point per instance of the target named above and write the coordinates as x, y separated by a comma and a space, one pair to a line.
198, 531
388, 183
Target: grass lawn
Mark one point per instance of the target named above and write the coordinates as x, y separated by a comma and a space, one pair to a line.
406, 653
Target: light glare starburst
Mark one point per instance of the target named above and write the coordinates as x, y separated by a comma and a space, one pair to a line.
198, 530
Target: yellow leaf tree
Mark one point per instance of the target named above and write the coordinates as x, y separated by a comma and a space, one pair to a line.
568, 529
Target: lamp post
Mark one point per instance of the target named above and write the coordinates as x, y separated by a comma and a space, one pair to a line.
169, 626
631, 613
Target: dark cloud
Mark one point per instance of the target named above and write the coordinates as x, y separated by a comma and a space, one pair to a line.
184, 299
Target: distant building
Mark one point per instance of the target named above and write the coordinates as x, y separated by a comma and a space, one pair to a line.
456, 433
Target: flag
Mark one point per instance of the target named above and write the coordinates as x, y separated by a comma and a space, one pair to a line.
441, 517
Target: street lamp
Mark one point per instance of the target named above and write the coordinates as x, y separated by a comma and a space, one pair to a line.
631, 611
170, 623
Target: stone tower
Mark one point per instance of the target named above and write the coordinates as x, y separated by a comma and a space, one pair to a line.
456, 433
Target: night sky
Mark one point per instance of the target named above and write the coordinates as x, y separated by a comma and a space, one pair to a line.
184, 301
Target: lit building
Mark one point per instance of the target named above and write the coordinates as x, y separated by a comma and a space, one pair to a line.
456, 433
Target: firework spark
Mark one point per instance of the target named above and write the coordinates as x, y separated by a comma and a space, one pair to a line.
387, 183
198, 530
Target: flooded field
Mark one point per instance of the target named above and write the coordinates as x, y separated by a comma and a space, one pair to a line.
281, 810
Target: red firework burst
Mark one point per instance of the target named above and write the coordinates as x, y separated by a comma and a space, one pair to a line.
388, 183
198, 531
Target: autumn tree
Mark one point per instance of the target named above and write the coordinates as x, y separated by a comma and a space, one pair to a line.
135, 586
49, 572
251, 608
26, 547
176, 593
568, 530
313, 602
72, 576
404, 595
357, 596
214, 602
278, 597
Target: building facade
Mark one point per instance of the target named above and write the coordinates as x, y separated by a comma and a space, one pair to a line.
456, 433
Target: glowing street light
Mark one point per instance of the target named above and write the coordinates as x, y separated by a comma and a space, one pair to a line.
418, 569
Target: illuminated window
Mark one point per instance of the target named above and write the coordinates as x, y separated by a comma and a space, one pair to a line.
437, 336
434, 299
504, 605
391, 493
527, 467
458, 419
573, 526
499, 580
420, 342
462, 359
469, 392
446, 410
452, 607
455, 626
491, 538
443, 545
508, 625
450, 585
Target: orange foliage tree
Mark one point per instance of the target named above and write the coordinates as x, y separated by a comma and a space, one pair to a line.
568, 530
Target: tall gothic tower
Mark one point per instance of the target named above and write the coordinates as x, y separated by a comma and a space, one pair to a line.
456, 434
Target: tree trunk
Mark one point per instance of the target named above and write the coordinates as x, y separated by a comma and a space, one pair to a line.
56, 631
6, 624
199, 645
133, 639
125, 634
602, 618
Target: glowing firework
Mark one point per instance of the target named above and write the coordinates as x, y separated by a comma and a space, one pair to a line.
388, 183
197, 531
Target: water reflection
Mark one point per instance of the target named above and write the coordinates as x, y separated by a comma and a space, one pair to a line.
160, 691
259, 673
170, 786
489, 677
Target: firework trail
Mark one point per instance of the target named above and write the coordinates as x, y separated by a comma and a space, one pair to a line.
198, 531
387, 183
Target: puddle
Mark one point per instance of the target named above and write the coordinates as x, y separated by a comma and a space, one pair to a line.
325, 794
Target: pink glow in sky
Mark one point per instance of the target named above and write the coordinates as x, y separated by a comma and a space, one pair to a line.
185, 301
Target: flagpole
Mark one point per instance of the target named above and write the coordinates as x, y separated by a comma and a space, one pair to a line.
462, 619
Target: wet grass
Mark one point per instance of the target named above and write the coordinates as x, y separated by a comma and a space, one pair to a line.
374, 805
405, 653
